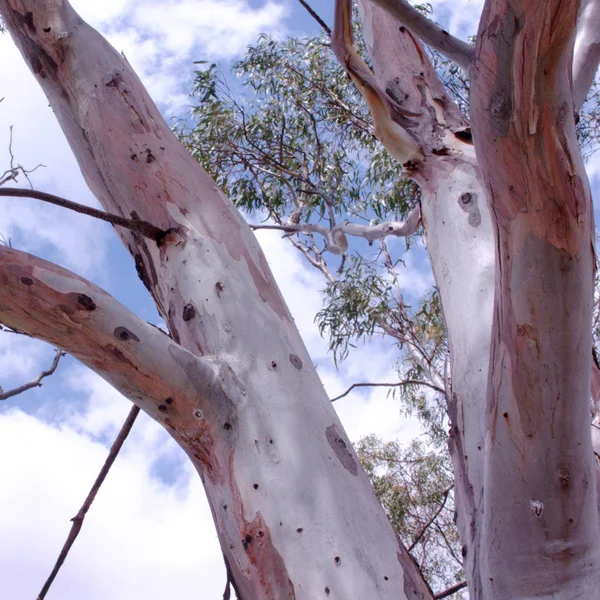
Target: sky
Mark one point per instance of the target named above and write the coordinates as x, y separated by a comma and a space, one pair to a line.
149, 533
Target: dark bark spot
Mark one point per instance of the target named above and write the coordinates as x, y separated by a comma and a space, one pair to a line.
273, 364
563, 477
255, 486
162, 408
227, 426
385, 577
327, 591
198, 414
443, 151
26, 281
169, 401
87, 303
141, 271
247, 541
337, 560
28, 20
133, 156
114, 80
189, 312
340, 449
402, 29
295, 360
124, 334
220, 287
464, 135
149, 156
464, 551
300, 529
47, 29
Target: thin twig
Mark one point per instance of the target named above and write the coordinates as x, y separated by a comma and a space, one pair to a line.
142, 227
37, 382
431, 520
451, 590
316, 17
405, 382
77, 520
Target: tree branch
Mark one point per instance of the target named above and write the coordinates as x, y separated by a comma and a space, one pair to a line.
316, 17
336, 236
77, 520
37, 382
142, 227
586, 56
398, 383
451, 590
142, 362
432, 34
389, 117
431, 520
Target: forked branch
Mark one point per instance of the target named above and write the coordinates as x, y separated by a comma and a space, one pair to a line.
337, 242
37, 382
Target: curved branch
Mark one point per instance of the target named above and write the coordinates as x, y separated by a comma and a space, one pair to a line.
586, 56
336, 236
389, 117
142, 227
37, 382
432, 34
143, 363
398, 383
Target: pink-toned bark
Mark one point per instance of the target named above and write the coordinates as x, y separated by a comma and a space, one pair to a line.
545, 530
235, 385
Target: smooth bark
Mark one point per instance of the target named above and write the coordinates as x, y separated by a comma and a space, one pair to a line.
294, 511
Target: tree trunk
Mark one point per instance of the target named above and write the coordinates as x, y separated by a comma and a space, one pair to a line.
525, 485
234, 385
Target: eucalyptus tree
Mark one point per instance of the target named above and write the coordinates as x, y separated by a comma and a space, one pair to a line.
506, 209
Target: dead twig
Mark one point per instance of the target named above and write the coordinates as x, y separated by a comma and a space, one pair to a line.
142, 227
450, 590
316, 17
37, 382
77, 520
398, 383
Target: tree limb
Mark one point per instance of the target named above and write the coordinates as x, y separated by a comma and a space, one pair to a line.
142, 227
316, 17
37, 382
77, 520
432, 34
336, 236
431, 520
451, 590
586, 55
389, 117
396, 384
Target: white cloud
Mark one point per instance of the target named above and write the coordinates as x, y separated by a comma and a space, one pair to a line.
141, 539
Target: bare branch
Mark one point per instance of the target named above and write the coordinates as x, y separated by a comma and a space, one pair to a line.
451, 590
316, 17
431, 520
142, 227
336, 236
432, 34
37, 382
398, 383
77, 520
586, 56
